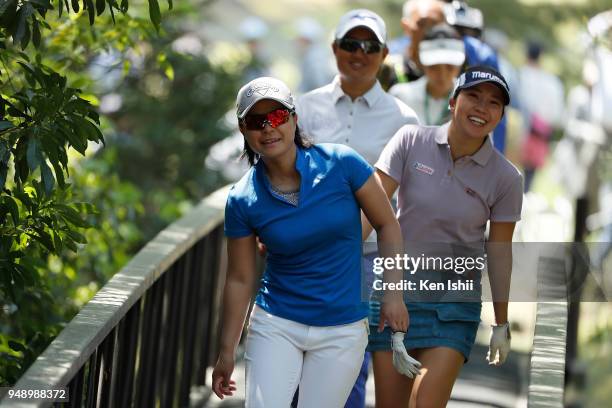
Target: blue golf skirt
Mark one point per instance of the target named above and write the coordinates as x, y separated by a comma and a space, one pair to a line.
432, 324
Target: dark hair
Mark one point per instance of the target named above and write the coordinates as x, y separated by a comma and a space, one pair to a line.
252, 157
534, 49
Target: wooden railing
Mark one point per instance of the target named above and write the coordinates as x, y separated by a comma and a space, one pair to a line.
547, 368
147, 336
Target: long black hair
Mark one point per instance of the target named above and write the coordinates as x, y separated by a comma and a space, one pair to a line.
252, 157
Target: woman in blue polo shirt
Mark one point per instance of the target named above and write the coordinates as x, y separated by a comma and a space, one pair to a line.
452, 182
308, 326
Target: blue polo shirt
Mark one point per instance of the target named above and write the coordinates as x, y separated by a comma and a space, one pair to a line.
313, 264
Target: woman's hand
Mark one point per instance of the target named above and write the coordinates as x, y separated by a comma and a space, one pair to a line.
499, 344
222, 384
395, 314
239, 286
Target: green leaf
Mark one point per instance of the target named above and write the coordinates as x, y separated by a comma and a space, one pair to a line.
8, 10
90, 130
16, 112
169, 4
22, 31
155, 13
21, 164
87, 208
57, 240
60, 7
3, 174
78, 142
53, 154
33, 154
70, 244
71, 215
77, 237
100, 5
91, 11
24, 198
5, 154
169, 71
59, 174
92, 114
36, 37
43, 4
16, 346
35, 74
12, 208
5, 125
47, 177
75, 5
124, 6
110, 7
28, 275
44, 238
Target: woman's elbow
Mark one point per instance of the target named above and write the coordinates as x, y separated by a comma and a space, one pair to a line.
389, 229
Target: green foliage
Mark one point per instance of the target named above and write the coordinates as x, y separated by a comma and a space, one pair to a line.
167, 126
46, 215
41, 121
22, 20
69, 217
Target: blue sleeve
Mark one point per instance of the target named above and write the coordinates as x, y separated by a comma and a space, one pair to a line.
499, 135
356, 169
236, 223
479, 53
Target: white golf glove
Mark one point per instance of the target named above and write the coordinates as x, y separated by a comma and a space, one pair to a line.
403, 363
499, 345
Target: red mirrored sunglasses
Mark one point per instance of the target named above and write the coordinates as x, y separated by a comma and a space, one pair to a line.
274, 118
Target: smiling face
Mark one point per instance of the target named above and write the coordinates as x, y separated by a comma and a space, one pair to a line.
269, 142
358, 67
477, 110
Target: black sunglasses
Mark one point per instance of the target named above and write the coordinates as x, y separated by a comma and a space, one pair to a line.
367, 46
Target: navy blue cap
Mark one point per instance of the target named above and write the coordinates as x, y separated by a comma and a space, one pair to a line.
480, 74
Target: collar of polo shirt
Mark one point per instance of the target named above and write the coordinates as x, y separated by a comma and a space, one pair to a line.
371, 97
481, 157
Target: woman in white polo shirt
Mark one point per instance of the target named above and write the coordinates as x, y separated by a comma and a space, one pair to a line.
308, 326
442, 55
452, 182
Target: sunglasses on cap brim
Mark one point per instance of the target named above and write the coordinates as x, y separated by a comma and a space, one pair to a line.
273, 118
367, 46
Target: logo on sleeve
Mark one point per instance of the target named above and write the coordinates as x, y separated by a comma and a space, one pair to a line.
423, 168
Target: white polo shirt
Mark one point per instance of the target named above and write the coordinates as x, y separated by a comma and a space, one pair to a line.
328, 115
431, 111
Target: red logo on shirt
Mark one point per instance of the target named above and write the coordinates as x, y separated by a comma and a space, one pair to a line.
423, 168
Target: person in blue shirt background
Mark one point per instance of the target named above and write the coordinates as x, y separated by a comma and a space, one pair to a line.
309, 324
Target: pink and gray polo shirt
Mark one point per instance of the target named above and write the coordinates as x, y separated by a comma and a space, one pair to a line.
444, 201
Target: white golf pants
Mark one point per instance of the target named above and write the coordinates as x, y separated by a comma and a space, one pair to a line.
282, 354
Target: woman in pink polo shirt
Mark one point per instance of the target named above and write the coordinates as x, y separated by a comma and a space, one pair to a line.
451, 182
